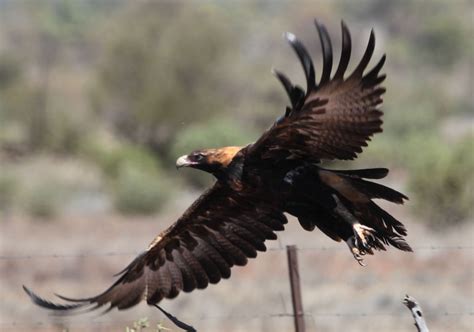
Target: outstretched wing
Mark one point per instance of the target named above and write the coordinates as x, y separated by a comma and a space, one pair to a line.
221, 229
331, 120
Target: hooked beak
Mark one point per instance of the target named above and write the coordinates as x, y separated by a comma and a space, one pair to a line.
183, 161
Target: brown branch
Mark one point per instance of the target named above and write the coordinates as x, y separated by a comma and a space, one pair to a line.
417, 313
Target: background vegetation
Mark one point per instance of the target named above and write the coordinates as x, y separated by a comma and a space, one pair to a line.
98, 98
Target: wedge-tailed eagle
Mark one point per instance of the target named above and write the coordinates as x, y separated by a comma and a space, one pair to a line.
260, 182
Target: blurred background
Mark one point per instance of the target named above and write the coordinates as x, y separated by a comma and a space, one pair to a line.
98, 98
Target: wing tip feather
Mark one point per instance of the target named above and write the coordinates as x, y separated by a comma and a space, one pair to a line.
43, 303
289, 37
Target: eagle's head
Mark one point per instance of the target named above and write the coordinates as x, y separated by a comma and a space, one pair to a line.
214, 161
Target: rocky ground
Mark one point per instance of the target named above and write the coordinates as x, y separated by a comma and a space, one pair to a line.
338, 294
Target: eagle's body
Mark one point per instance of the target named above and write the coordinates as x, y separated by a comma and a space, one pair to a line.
279, 173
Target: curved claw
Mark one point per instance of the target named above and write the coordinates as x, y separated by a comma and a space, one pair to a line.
363, 236
361, 262
355, 251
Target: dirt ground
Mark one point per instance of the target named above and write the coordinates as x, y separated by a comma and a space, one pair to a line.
77, 256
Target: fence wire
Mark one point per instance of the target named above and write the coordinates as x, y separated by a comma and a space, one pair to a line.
132, 253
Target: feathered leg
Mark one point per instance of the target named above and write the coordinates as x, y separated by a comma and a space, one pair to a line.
360, 243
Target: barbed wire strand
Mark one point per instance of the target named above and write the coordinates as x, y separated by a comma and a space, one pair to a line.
132, 253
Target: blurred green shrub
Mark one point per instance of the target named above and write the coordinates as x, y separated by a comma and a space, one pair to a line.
215, 133
442, 40
45, 186
165, 70
137, 191
111, 155
135, 178
66, 129
42, 200
17, 103
442, 180
8, 191
40, 121
9, 70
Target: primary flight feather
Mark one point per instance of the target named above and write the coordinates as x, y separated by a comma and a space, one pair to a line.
256, 184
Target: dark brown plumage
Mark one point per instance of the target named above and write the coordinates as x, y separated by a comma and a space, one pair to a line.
258, 183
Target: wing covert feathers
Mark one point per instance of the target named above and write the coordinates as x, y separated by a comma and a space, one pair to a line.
221, 229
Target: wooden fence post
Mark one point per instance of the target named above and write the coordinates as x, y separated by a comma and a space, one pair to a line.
298, 312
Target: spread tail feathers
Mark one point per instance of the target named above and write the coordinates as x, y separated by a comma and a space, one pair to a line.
389, 230
368, 173
371, 189
341, 203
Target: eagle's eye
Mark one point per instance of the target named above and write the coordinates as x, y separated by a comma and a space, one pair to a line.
198, 157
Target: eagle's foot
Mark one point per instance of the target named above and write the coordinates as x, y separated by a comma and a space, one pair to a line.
363, 236
355, 251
